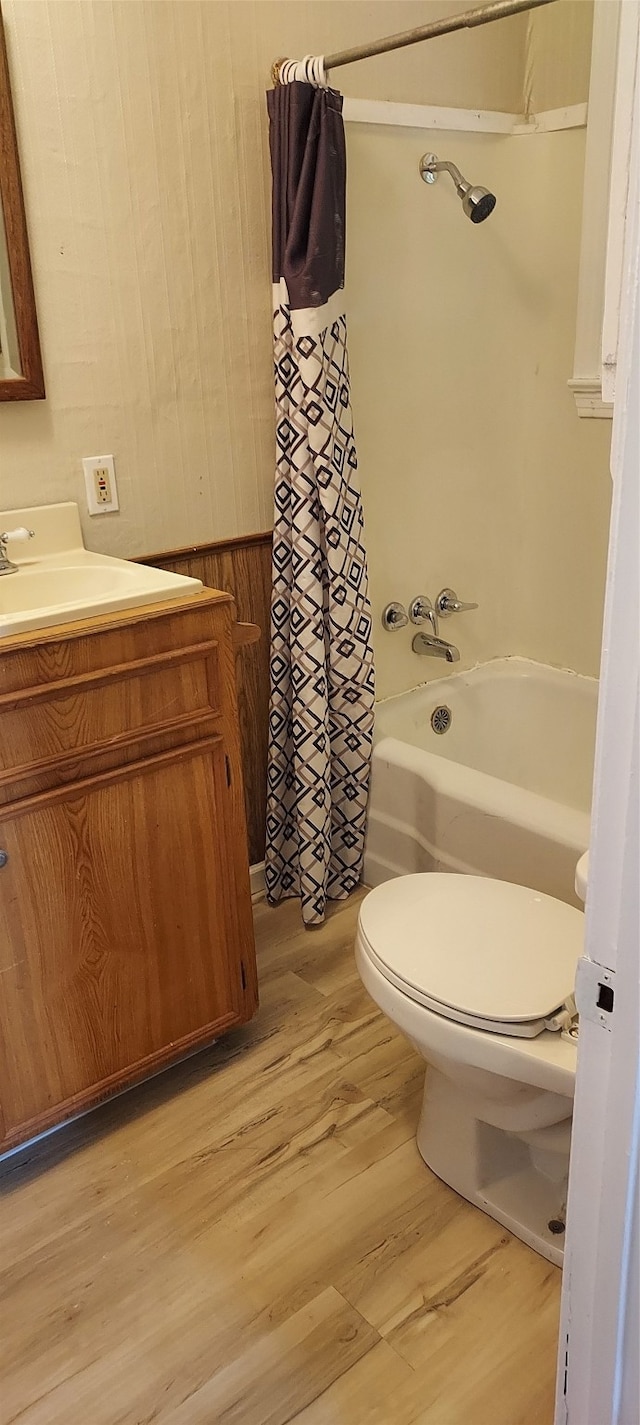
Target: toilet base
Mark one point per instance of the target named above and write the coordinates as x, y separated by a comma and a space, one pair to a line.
520, 1180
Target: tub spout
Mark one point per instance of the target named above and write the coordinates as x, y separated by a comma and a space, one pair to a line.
428, 644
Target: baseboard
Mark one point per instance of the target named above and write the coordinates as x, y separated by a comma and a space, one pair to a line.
256, 874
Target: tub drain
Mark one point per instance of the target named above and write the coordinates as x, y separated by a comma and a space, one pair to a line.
441, 719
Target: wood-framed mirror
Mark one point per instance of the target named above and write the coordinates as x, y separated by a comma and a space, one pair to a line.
21, 377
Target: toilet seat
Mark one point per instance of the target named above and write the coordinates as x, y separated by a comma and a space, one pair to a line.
486, 953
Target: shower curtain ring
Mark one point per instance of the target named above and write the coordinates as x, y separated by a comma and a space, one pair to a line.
275, 69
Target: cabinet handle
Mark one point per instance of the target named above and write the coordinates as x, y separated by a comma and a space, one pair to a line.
4, 857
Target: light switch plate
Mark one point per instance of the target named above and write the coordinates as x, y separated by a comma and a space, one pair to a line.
100, 482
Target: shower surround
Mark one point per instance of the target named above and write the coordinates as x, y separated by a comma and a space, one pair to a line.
477, 472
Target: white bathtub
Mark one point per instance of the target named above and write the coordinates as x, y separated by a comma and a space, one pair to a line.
505, 792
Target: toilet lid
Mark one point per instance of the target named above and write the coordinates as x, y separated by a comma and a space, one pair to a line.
474, 948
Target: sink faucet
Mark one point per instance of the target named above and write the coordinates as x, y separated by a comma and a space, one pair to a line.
434, 647
6, 566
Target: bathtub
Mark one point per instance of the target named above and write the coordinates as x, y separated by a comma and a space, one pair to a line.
505, 791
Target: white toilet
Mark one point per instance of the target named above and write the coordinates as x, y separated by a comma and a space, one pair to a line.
473, 971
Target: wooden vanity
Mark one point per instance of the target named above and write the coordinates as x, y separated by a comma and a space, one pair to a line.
126, 935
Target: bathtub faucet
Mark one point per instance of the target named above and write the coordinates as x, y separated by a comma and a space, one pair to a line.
421, 610
433, 647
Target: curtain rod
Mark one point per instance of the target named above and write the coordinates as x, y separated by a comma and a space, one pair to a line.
483, 15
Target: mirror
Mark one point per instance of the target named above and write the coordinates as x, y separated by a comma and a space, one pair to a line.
21, 376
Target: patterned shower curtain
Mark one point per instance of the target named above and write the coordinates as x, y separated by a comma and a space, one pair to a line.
322, 680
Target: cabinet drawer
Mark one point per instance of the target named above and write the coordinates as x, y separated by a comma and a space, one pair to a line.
52, 726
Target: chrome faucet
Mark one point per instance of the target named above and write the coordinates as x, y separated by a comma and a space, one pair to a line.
6, 565
394, 616
421, 610
448, 602
430, 644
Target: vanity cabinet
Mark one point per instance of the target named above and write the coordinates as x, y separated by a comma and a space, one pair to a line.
126, 934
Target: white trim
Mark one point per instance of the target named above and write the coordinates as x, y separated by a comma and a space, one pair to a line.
428, 116
626, 1386
256, 877
470, 121
587, 372
550, 121
587, 392
599, 1326
620, 156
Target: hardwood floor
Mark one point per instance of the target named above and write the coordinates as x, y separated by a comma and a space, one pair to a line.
252, 1239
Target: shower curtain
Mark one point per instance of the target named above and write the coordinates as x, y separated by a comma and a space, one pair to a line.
321, 662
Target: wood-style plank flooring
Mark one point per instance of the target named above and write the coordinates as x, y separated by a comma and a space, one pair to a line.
252, 1238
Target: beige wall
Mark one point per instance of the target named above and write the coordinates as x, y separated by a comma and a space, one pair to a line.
144, 152
476, 471
558, 55
565, 490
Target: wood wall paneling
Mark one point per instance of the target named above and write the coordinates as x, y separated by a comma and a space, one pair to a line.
242, 567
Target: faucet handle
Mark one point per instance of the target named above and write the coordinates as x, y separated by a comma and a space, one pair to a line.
421, 610
20, 533
448, 602
394, 616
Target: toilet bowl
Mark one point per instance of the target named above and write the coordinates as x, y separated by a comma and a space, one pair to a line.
477, 974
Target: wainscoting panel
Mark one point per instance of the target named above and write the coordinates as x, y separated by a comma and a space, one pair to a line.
243, 568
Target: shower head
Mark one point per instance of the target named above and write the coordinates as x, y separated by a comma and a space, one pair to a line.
477, 202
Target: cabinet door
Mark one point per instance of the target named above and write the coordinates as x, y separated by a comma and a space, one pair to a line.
123, 926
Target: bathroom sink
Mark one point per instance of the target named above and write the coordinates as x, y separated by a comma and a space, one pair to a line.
59, 581
55, 588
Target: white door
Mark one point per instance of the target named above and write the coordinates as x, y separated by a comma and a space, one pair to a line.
598, 1377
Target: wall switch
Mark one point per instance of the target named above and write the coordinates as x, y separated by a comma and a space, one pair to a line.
100, 480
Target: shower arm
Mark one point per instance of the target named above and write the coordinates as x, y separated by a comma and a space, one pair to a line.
442, 165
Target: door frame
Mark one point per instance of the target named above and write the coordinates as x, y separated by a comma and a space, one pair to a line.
598, 1368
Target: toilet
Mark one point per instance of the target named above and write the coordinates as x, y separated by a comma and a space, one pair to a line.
478, 975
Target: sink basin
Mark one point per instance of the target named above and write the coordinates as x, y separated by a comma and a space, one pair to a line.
58, 588
59, 581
